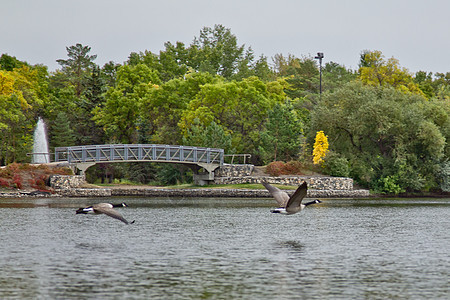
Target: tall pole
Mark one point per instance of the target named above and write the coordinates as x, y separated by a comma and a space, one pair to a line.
319, 57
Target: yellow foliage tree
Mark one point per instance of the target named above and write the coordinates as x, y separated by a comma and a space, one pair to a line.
320, 147
375, 70
14, 83
6, 84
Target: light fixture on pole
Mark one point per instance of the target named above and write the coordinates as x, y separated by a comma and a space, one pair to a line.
319, 57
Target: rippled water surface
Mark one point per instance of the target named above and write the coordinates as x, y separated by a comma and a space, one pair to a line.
225, 249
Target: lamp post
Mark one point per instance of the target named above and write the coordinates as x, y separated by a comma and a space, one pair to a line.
319, 57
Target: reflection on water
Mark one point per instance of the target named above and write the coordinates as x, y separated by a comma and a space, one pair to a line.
225, 249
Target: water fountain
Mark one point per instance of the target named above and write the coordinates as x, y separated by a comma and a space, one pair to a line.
40, 144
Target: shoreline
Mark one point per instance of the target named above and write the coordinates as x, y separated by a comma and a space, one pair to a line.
152, 191
206, 192
139, 191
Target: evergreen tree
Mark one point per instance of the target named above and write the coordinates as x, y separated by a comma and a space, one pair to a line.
211, 136
281, 138
78, 65
62, 134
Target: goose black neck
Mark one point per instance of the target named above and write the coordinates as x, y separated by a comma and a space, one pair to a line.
120, 205
312, 202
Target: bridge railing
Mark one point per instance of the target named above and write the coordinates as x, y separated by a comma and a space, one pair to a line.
139, 152
237, 158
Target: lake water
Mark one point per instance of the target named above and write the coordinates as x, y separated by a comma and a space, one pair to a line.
225, 249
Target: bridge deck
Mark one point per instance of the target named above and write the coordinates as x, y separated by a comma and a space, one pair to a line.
139, 152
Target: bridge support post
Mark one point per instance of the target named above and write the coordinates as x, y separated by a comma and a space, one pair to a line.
203, 178
84, 166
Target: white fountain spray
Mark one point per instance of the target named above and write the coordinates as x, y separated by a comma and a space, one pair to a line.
40, 144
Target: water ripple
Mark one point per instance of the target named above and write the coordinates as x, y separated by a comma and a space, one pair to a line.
341, 250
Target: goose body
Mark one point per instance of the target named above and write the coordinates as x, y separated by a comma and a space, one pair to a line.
289, 205
104, 208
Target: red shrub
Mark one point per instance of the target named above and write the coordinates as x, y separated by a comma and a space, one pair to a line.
17, 181
278, 168
26, 167
275, 168
40, 183
14, 167
62, 171
293, 167
4, 183
6, 173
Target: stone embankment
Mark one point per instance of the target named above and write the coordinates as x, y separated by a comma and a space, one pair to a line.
203, 192
318, 187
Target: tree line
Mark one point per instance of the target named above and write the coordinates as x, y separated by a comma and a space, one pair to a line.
387, 128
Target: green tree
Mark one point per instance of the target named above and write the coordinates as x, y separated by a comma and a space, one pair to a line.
93, 96
262, 70
240, 107
120, 113
392, 140
284, 64
281, 138
165, 104
78, 65
174, 61
19, 104
445, 177
12, 129
109, 73
216, 51
336, 75
336, 165
302, 74
9, 63
77, 108
62, 99
425, 83
211, 136
62, 134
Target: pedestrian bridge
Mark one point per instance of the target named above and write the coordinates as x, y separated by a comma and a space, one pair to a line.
202, 160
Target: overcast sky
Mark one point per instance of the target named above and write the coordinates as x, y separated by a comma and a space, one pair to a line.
416, 32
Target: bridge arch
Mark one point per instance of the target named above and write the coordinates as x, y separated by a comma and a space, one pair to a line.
199, 158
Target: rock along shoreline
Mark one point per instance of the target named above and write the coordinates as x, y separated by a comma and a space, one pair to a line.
75, 186
185, 193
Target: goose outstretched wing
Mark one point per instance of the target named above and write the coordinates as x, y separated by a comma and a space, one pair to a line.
280, 196
110, 212
295, 202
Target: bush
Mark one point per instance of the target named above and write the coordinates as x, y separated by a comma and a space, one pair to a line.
23, 176
336, 165
169, 175
293, 167
4, 183
275, 168
445, 177
17, 180
278, 168
7, 172
40, 182
389, 185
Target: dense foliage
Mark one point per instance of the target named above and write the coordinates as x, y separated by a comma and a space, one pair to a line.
385, 127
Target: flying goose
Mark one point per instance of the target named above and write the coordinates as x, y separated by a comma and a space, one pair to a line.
104, 208
289, 205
